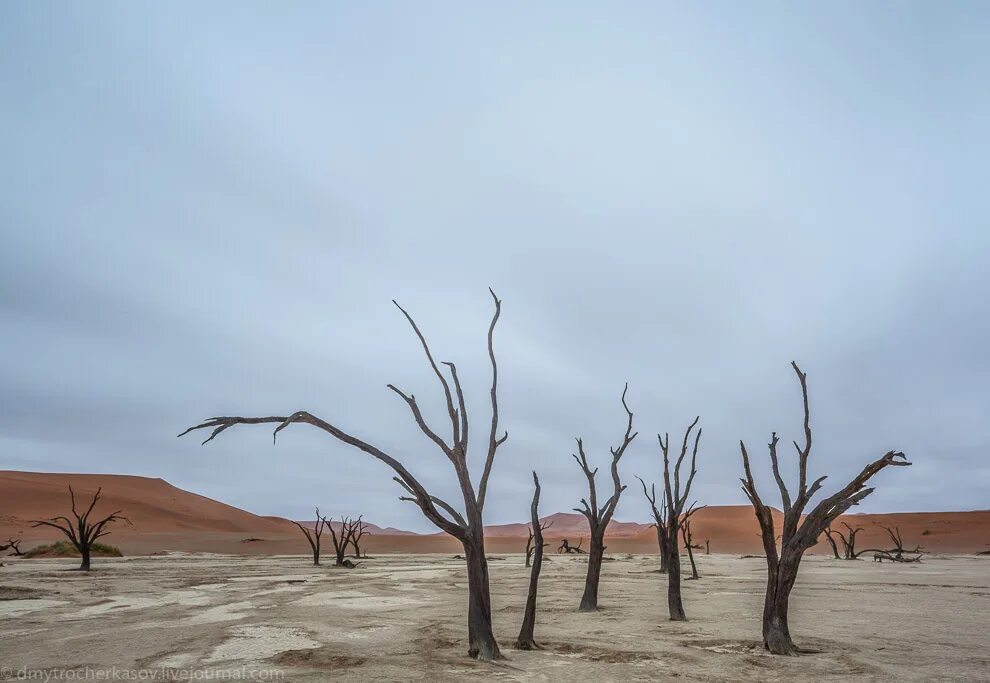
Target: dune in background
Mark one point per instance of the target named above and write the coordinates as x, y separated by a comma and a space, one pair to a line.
166, 518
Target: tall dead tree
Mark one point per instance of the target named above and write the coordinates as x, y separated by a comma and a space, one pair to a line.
599, 517
801, 530
313, 535
468, 528
531, 540
659, 517
82, 533
525, 640
676, 500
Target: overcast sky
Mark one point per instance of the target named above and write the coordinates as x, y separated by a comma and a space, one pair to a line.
206, 210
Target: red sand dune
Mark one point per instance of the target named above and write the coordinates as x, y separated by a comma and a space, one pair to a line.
167, 518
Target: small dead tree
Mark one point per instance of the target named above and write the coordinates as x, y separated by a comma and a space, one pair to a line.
801, 530
568, 549
848, 541
82, 533
831, 542
468, 528
341, 541
313, 535
525, 640
659, 517
708, 550
12, 544
599, 517
358, 531
689, 541
676, 501
898, 552
532, 540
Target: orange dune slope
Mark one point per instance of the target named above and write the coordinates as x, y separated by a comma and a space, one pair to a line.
168, 518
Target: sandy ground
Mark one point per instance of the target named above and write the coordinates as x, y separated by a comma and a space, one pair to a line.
402, 617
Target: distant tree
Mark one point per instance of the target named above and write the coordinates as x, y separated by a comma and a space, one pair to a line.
659, 523
525, 640
689, 541
801, 530
848, 541
467, 528
831, 541
341, 541
531, 541
12, 544
82, 533
568, 549
357, 532
313, 536
898, 553
599, 517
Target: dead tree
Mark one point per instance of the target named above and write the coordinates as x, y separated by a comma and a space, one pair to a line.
358, 531
12, 544
659, 515
708, 550
676, 500
848, 541
599, 517
525, 640
569, 549
341, 541
532, 540
82, 533
689, 542
313, 536
801, 530
831, 542
898, 552
468, 528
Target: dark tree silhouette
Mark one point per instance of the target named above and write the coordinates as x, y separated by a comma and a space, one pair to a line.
531, 540
568, 549
599, 517
525, 640
341, 541
689, 541
898, 552
659, 523
82, 533
708, 550
468, 528
357, 532
801, 530
848, 541
676, 498
12, 544
831, 542
313, 535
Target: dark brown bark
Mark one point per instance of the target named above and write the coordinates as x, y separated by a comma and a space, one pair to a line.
358, 531
568, 549
82, 533
525, 641
599, 517
467, 527
659, 515
801, 530
831, 542
689, 544
313, 536
673, 514
12, 544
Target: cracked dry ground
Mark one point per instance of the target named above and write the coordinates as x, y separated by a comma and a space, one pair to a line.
402, 617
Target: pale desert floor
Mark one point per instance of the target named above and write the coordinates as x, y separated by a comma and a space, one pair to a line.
402, 617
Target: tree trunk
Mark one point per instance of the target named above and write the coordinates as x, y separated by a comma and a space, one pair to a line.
316, 556
780, 581
589, 601
481, 639
525, 640
84, 566
674, 603
694, 567
663, 552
